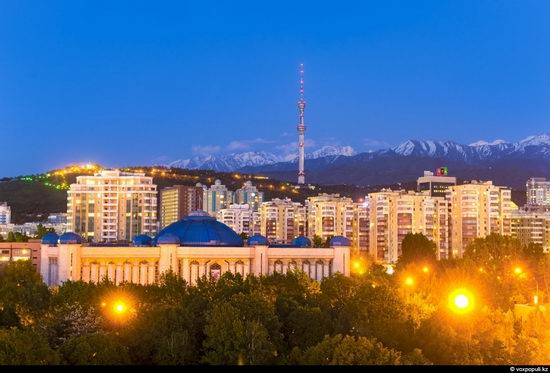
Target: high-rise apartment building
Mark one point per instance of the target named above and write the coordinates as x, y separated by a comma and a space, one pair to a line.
361, 226
478, 209
216, 197
5, 213
538, 191
330, 215
282, 220
437, 185
112, 206
240, 218
249, 195
394, 214
531, 227
178, 201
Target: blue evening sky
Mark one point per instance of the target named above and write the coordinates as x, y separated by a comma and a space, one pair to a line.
142, 82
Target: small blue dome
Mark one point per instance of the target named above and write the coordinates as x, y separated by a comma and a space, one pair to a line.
201, 229
70, 238
142, 240
301, 241
258, 240
50, 239
167, 238
340, 241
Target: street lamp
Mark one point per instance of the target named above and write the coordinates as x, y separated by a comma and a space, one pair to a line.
409, 281
461, 301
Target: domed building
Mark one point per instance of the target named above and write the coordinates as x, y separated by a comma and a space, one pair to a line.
193, 247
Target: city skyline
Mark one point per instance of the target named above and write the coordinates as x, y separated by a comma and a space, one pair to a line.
383, 74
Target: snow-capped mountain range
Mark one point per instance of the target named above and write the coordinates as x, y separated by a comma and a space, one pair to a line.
235, 161
505, 163
532, 146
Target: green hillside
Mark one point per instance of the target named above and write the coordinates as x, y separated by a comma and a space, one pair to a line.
33, 197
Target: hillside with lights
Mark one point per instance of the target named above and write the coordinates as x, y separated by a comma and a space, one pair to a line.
33, 197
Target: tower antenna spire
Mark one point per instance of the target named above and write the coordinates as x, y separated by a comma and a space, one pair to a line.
301, 130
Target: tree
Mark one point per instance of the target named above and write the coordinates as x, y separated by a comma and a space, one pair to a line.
25, 347
94, 349
41, 231
417, 248
493, 250
232, 339
318, 241
69, 321
11, 237
164, 335
21, 287
348, 350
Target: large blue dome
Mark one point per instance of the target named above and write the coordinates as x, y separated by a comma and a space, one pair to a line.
301, 241
49, 239
70, 238
201, 229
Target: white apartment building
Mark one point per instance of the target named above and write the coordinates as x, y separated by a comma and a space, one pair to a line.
282, 220
538, 191
394, 214
249, 195
330, 215
240, 218
112, 206
5, 213
477, 210
216, 197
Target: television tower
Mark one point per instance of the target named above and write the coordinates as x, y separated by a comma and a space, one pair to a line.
301, 130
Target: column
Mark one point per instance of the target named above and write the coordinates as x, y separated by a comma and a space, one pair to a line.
151, 273
127, 272
194, 273
186, 273
135, 273
94, 272
86, 273
119, 278
246, 267
326, 269
102, 271
111, 272
143, 273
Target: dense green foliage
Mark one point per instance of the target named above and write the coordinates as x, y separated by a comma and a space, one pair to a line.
288, 319
417, 248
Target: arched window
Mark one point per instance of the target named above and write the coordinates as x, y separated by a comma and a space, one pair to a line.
215, 271
194, 272
278, 266
292, 266
306, 267
239, 268
319, 268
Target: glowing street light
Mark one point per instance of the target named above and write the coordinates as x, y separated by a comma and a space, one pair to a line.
518, 271
461, 301
120, 307
409, 281
425, 269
